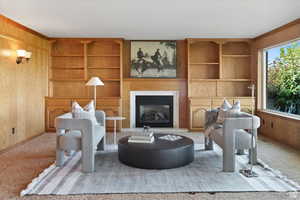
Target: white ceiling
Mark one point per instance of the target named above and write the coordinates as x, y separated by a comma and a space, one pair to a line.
151, 19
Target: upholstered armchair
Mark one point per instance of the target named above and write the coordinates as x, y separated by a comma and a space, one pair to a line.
80, 134
233, 135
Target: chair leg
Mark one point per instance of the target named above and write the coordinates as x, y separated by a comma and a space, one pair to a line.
101, 145
228, 162
60, 157
253, 154
208, 144
88, 162
240, 152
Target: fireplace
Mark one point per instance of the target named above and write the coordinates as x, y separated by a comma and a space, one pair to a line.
154, 111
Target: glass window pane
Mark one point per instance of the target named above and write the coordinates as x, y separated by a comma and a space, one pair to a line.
283, 78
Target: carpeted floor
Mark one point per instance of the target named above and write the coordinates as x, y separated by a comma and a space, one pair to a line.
20, 165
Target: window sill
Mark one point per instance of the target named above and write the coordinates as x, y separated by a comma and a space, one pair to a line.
280, 114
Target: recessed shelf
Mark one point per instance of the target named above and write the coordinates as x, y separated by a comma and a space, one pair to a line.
104, 55
237, 56
68, 80
220, 80
111, 79
68, 55
237, 80
229, 97
68, 68
154, 79
204, 63
202, 80
116, 67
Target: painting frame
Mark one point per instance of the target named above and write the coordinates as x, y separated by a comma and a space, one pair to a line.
153, 59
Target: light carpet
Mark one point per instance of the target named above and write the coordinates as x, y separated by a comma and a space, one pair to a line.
203, 175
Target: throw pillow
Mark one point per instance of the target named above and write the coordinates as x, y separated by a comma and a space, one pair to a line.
88, 112
225, 105
236, 106
230, 112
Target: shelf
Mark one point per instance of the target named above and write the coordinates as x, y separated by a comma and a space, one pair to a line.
104, 67
68, 80
104, 55
67, 55
227, 97
204, 63
236, 80
237, 56
202, 80
68, 68
82, 98
220, 80
112, 79
154, 79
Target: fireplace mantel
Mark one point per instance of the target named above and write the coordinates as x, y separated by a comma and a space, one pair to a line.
175, 95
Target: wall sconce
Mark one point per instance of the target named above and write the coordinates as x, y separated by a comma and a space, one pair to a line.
23, 55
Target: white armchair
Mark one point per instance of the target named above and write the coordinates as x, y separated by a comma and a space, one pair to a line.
80, 134
232, 136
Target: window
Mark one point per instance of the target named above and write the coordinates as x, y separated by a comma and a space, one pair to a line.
282, 78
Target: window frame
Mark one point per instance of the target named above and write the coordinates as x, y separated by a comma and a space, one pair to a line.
264, 71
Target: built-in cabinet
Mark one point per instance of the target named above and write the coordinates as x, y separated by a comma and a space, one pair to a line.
208, 71
217, 69
73, 63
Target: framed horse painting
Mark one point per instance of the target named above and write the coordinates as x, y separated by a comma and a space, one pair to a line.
153, 59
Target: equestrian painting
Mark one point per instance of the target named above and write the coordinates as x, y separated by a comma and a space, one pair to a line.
153, 59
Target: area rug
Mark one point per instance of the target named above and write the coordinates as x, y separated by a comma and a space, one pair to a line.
203, 175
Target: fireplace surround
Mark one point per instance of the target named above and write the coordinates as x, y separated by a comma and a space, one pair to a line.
154, 108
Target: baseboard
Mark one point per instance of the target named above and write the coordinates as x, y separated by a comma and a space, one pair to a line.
19, 143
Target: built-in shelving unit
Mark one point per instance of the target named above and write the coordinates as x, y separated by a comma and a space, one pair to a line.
217, 69
73, 63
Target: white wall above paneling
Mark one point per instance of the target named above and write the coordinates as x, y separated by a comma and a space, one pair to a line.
152, 19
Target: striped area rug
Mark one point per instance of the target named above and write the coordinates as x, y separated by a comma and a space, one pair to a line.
203, 175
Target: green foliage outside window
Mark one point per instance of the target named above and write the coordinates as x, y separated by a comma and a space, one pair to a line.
283, 81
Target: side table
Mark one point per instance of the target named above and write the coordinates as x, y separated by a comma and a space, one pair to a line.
115, 118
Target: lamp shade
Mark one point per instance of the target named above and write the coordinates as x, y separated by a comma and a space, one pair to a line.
94, 81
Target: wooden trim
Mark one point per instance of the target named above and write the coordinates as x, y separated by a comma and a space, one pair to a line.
218, 40
19, 143
154, 79
24, 28
281, 28
90, 39
279, 115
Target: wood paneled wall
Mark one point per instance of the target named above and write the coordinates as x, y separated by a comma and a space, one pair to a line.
135, 84
280, 128
22, 86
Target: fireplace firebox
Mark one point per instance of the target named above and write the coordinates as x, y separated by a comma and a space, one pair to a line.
154, 111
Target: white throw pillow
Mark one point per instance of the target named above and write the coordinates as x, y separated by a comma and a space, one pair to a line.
225, 105
236, 106
88, 112
229, 112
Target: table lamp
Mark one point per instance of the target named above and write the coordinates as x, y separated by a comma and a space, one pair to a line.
94, 81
